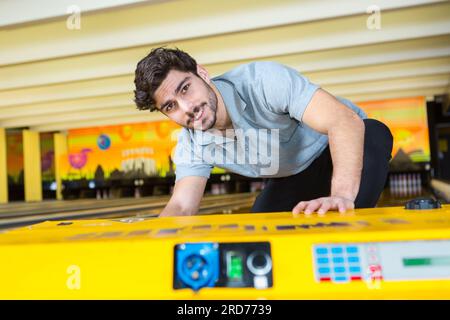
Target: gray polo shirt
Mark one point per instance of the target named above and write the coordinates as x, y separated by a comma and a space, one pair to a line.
266, 102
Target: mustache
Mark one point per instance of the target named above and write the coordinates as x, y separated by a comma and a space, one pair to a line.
194, 111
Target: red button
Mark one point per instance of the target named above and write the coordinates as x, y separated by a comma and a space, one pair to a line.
325, 279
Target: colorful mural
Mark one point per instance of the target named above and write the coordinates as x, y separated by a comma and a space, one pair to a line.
14, 156
47, 156
407, 120
121, 151
14, 141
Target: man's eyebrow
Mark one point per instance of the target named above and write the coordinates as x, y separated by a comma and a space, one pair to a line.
180, 85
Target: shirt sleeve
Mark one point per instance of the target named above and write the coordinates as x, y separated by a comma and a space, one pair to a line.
284, 90
187, 163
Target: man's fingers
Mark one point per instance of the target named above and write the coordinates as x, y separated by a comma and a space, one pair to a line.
326, 205
341, 206
299, 207
344, 205
312, 206
323, 205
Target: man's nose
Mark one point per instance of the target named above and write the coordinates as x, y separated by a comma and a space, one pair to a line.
186, 106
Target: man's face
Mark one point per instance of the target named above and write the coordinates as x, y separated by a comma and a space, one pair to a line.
188, 100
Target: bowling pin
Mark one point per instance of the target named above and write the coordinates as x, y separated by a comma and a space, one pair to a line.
416, 184
420, 183
223, 188
405, 185
396, 185
410, 184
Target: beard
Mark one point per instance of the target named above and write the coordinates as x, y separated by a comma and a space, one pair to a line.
211, 106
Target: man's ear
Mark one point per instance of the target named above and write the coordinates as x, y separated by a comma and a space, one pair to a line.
201, 71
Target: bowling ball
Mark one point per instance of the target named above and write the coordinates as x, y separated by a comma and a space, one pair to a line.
104, 142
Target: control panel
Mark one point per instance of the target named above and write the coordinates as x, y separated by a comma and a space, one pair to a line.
379, 253
387, 261
236, 265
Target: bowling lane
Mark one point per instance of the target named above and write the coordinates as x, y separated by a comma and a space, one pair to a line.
239, 203
391, 199
403, 187
147, 208
55, 206
46, 207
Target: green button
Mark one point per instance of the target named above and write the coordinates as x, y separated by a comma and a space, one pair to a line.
235, 268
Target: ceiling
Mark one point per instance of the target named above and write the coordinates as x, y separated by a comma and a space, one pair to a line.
53, 78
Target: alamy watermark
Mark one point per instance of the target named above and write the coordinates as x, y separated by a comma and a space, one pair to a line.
256, 147
373, 22
73, 22
73, 281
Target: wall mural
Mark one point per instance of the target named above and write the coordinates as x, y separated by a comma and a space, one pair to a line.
14, 156
47, 156
121, 151
407, 119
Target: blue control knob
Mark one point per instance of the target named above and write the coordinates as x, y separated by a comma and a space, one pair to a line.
197, 264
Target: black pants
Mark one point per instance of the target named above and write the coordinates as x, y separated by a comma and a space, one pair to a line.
283, 194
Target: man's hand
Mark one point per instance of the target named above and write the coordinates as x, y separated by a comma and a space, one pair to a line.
186, 197
322, 205
171, 212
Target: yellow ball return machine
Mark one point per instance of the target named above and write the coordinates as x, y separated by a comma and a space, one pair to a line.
380, 253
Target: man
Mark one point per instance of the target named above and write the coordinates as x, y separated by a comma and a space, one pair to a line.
325, 155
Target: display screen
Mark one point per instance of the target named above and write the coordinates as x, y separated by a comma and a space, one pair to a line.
426, 261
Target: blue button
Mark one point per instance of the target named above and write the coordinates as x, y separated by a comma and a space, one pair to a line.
338, 260
352, 249
321, 250
340, 279
323, 260
339, 269
336, 250
353, 259
324, 270
355, 269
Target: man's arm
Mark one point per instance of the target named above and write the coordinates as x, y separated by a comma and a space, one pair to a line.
186, 197
345, 130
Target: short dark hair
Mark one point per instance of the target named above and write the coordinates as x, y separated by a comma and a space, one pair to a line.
153, 69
